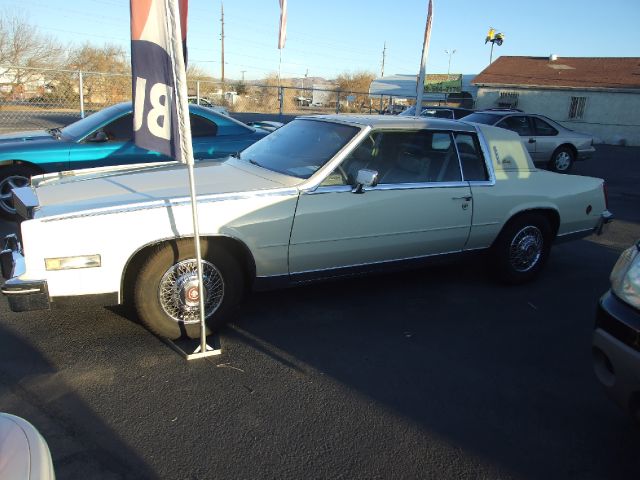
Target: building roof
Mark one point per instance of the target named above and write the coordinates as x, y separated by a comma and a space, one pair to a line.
563, 72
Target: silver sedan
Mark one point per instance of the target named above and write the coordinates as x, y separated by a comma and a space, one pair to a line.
547, 141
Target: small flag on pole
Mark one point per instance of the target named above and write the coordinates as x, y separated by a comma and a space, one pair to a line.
423, 60
282, 37
158, 53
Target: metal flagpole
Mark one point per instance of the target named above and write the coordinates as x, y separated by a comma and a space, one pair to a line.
423, 60
182, 109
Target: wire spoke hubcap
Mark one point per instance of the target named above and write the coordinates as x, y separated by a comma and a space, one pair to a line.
526, 249
178, 291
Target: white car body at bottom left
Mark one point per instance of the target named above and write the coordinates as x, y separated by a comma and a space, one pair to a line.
320, 197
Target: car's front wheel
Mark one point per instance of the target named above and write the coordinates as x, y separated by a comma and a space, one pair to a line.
562, 160
166, 289
12, 176
522, 248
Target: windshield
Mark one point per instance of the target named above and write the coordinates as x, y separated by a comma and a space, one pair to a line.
486, 118
87, 125
428, 112
411, 111
299, 148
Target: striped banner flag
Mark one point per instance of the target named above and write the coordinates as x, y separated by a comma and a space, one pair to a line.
282, 37
158, 58
423, 60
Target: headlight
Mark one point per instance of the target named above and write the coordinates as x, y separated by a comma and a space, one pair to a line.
69, 263
625, 276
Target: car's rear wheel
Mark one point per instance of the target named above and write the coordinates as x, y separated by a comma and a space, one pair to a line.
562, 160
166, 289
522, 248
12, 176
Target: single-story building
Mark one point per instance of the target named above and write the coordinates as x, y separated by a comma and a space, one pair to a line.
600, 96
404, 86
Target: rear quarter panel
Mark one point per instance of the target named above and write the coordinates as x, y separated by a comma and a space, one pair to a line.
518, 187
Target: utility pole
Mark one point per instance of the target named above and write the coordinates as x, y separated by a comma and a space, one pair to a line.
222, 38
384, 54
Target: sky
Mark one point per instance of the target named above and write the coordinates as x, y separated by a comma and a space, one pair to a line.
328, 37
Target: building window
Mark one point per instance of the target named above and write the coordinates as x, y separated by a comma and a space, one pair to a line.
508, 100
576, 108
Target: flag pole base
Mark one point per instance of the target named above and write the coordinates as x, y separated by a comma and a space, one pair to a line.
190, 349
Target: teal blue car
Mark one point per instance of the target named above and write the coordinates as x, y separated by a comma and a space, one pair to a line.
103, 139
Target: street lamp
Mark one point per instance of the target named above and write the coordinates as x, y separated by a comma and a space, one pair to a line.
450, 53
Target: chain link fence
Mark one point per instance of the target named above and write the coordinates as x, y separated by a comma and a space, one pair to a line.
32, 98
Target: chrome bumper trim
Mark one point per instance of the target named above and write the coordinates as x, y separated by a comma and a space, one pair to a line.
605, 217
26, 295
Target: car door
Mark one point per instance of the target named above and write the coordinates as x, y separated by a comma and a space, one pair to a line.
217, 136
522, 125
546, 139
420, 207
112, 144
204, 137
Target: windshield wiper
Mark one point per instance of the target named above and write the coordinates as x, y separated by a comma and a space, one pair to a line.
55, 132
253, 162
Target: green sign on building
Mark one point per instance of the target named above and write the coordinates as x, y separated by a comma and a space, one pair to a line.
443, 83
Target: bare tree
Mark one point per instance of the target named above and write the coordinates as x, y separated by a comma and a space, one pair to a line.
106, 73
356, 85
24, 52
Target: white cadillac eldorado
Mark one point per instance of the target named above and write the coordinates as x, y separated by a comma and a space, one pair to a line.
321, 197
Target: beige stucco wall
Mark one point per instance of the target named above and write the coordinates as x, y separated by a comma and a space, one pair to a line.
612, 117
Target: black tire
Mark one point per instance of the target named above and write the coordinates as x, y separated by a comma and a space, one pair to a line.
562, 160
522, 248
170, 312
13, 176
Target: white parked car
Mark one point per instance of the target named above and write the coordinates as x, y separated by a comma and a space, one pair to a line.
24, 453
320, 197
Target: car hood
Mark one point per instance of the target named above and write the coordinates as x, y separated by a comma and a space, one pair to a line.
24, 136
21, 141
75, 192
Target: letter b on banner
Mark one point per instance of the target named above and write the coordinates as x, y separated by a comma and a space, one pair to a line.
158, 118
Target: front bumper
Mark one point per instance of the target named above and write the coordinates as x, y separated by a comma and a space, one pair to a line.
616, 352
23, 295
586, 153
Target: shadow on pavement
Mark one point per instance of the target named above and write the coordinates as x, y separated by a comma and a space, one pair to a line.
501, 373
81, 444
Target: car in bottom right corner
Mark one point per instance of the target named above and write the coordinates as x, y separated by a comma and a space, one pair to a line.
549, 143
616, 338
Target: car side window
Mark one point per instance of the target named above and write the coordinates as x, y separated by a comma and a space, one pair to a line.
361, 157
474, 167
201, 127
543, 129
517, 123
120, 130
420, 156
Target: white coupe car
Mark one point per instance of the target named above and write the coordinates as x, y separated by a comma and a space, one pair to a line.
321, 197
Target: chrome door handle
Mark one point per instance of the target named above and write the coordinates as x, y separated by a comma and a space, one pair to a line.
466, 198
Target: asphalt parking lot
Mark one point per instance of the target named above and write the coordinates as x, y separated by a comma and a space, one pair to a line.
436, 373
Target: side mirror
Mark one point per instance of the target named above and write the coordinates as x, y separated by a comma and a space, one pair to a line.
365, 178
99, 137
